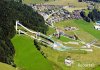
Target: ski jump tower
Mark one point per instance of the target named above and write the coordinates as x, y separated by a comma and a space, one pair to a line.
28, 30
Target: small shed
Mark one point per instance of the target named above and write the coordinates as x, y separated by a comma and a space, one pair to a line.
69, 61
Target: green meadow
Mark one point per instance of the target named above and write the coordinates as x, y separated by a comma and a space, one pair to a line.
57, 2
86, 30
65, 39
27, 57
35, 1
88, 27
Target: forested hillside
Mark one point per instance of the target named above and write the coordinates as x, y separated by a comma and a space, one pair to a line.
10, 11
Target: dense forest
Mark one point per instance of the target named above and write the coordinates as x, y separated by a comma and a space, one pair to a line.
10, 11
93, 0
93, 15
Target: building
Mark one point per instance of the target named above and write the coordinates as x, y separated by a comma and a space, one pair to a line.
90, 7
69, 61
98, 23
97, 26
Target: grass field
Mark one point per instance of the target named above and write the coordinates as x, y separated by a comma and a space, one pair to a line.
67, 2
86, 30
57, 2
27, 57
97, 68
88, 27
50, 31
86, 33
64, 39
79, 57
4, 66
35, 1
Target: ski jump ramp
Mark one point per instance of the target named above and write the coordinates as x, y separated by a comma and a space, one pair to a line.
55, 45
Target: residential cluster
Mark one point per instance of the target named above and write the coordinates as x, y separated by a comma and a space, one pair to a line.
55, 13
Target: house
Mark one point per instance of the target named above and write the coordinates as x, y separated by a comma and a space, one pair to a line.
90, 7
97, 26
98, 23
69, 61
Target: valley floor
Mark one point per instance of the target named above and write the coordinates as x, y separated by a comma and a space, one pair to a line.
27, 57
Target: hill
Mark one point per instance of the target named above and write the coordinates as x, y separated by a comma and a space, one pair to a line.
27, 57
10, 11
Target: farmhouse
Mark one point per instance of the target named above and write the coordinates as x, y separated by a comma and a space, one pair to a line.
69, 61
98, 23
90, 7
97, 26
